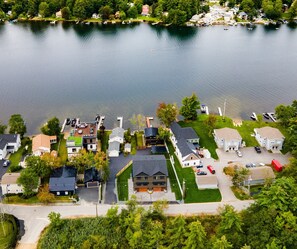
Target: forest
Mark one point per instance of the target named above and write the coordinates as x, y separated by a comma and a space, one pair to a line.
168, 11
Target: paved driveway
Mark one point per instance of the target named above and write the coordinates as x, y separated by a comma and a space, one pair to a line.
2, 172
116, 164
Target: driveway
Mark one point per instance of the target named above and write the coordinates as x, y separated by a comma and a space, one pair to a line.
2, 172
116, 164
87, 195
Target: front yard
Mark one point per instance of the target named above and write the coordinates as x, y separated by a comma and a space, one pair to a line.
193, 194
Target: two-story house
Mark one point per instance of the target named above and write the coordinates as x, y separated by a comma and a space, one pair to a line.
42, 144
116, 138
227, 139
9, 143
186, 145
149, 173
269, 138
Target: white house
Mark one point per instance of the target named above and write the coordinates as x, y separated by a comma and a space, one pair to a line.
74, 145
9, 143
186, 144
114, 149
9, 184
269, 138
42, 144
117, 134
227, 139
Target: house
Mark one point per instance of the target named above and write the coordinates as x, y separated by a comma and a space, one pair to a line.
259, 175
151, 136
186, 144
9, 143
207, 182
269, 138
228, 16
116, 138
42, 144
92, 177
74, 145
242, 15
9, 184
59, 14
114, 149
227, 139
63, 181
149, 173
145, 10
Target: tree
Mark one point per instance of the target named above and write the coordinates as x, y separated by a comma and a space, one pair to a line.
222, 243
51, 161
33, 7
17, 125
239, 176
293, 10
66, 13
176, 232
196, 237
285, 114
189, 107
138, 121
39, 166
163, 133
55, 219
2, 128
45, 196
101, 164
83, 9
177, 17
272, 8
128, 136
105, 12
132, 12
43, 9
248, 6
29, 180
167, 113
210, 123
2, 14
52, 127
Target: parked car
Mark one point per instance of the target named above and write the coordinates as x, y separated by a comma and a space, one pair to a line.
6, 163
257, 149
201, 173
200, 165
211, 169
250, 165
238, 152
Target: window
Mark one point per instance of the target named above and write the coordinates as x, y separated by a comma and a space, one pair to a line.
66, 192
162, 177
91, 146
58, 193
73, 149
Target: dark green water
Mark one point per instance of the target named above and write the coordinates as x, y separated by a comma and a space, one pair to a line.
69, 70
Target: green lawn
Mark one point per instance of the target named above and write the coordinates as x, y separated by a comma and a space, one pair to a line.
173, 181
16, 157
16, 199
133, 146
8, 232
193, 194
122, 184
139, 139
62, 153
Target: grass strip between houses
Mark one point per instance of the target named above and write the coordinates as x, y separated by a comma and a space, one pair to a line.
122, 184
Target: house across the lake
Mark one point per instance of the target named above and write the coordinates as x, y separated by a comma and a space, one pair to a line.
269, 138
63, 181
186, 145
149, 173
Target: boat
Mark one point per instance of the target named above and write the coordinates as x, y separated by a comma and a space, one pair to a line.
254, 116
203, 108
87, 23
225, 28
53, 22
265, 115
250, 28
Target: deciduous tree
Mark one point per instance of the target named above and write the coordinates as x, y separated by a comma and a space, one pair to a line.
190, 106
29, 180
2, 128
167, 113
52, 127
17, 125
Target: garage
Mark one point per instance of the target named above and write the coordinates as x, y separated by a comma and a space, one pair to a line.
142, 189
157, 189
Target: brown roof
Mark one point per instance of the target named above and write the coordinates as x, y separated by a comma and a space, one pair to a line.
205, 180
263, 172
269, 132
86, 129
42, 140
227, 133
10, 178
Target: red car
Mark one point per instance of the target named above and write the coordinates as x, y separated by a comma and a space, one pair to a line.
211, 169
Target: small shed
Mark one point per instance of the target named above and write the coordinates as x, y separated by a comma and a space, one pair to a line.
127, 148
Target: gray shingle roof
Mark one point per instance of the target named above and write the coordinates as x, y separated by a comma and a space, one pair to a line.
114, 146
149, 165
117, 132
63, 179
7, 138
3, 143
91, 174
182, 135
150, 132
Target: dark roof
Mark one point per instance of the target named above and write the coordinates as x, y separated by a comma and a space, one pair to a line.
7, 138
91, 175
149, 165
63, 179
182, 135
158, 149
150, 132
64, 172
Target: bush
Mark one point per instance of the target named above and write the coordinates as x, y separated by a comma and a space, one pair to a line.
229, 171
15, 168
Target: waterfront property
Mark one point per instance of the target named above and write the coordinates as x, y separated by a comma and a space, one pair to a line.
149, 173
151, 136
74, 145
269, 138
227, 139
42, 144
63, 181
116, 138
186, 145
9, 143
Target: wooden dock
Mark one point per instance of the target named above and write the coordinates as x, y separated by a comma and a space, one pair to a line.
148, 121
100, 122
63, 126
121, 121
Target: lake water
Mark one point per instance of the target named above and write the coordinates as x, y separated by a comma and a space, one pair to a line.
69, 70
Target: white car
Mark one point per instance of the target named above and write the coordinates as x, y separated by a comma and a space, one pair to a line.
238, 152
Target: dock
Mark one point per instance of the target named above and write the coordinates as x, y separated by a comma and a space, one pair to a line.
254, 116
220, 111
148, 121
121, 121
100, 122
206, 110
63, 126
271, 116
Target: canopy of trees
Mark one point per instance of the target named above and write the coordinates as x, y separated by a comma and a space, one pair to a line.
52, 127
167, 113
17, 125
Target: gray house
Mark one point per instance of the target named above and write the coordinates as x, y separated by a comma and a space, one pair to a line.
149, 173
63, 181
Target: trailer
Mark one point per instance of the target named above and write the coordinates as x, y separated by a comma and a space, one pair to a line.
276, 165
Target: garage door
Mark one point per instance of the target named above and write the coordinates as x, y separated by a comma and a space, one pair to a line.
157, 189
142, 189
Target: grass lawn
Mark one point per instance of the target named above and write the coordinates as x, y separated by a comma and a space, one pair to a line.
15, 199
240, 194
133, 146
62, 153
122, 184
193, 194
9, 235
139, 139
173, 181
16, 157
148, 18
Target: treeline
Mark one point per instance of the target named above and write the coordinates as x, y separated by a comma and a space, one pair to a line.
169, 11
270, 223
